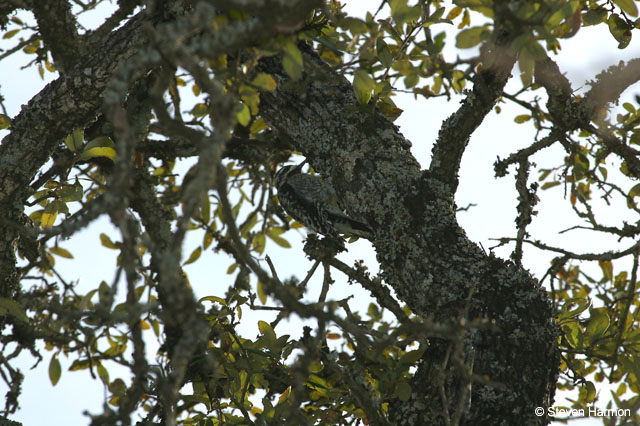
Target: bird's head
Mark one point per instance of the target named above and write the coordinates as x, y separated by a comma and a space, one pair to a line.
286, 171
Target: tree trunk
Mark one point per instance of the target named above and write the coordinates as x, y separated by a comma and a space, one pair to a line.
427, 258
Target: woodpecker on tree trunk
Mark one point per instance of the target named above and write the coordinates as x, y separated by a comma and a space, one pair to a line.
313, 202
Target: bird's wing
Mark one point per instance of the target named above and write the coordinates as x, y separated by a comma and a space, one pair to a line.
316, 189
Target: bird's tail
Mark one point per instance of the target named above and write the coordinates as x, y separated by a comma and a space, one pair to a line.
346, 225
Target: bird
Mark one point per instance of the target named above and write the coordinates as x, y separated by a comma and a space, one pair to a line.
312, 201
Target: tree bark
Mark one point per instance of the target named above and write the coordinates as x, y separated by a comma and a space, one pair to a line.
70, 102
426, 257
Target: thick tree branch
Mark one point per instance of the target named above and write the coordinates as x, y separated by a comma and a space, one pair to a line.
57, 26
570, 114
609, 85
455, 132
423, 253
70, 102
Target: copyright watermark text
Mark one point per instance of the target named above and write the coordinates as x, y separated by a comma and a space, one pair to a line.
582, 412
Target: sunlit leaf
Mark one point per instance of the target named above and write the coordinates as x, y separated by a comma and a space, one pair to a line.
101, 146
194, 256
619, 30
274, 235
598, 323
262, 294
61, 252
49, 215
412, 357
5, 122
11, 33
103, 374
79, 364
69, 193
265, 82
628, 6
363, 85
471, 37
244, 115
75, 140
548, 185
55, 371
453, 13
292, 61
106, 241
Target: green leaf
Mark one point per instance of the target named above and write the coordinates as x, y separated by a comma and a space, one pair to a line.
259, 243
75, 140
619, 30
10, 34
603, 172
411, 357
258, 125
79, 364
244, 115
220, 300
454, 13
401, 12
564, 11
55, 371
628, 6
567, 312
110, 153
199, 110
607, 269
61, 252
86, 299
384, 54
411, 80
207, 239
522, 118
250, 97
103, 373
104, 292
100, 142
232, 268
598, 323
269, 334
106, 241
12, 308
292, 61
5, 122
402, 391
590, 389
594, 16
472, 36
630, 108
194, 256
274, 234
633, 193
573, 334
262, 294
527, 63
49, 215
363, 85
70, 193
265, 82
248, 225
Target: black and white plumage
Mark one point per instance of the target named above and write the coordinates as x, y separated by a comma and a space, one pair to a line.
313, 202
